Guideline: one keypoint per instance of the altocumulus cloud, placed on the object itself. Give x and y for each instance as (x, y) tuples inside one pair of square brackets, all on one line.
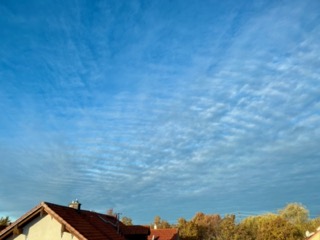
[(159, 110)]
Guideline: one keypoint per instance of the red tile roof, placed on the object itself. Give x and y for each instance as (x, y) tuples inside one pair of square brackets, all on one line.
[(164, 234), (81, 223), (135, 230)]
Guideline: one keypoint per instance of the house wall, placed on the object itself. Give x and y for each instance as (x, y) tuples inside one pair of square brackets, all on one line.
[(45, 228), (316, 236)]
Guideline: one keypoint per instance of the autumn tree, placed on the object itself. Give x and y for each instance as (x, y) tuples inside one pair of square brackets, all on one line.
[(127, 221), (160, 223), (290, 223), (312, 225), (275, 227), (226, 228), (187, 229), (207, 225), (295, 213), (247, 229)]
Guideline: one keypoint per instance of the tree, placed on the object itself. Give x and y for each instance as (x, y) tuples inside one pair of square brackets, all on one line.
[(207, 225), (295, 213), (247, 229), (127, 221), (160, 223), (4, 222), (187, 230), (227, 228), (312, 225), (274, 227)]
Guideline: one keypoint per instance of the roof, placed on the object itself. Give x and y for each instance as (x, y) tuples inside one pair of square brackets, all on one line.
[(164, 234), (314, 235), (81, 223), (135, 230)]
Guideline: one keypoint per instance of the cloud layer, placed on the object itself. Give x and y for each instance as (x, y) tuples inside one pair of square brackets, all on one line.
[(160, 109)]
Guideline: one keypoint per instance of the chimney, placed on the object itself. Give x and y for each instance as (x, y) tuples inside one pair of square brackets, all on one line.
[(75, 204)]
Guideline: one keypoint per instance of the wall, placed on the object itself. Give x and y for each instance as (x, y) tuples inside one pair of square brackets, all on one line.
[(316, 236), (45, 228)]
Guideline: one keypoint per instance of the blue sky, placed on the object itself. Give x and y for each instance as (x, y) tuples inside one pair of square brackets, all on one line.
[(160, 107)]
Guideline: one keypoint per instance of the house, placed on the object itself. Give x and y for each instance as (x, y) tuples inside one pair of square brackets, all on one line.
[(49, 221), (164, 234), (313, 235)]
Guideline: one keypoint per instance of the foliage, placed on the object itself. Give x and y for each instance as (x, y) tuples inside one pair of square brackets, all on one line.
[(127, 221), (4, 221), (207, 225), (247, 229), (295, 213), (227, 228), (275, 227), (290, 223), (187, 230), (160, 223), (312, 225)]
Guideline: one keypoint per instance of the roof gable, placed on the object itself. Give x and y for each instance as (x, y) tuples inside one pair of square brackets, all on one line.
[(24, 219), (85, 224), (81, 223)]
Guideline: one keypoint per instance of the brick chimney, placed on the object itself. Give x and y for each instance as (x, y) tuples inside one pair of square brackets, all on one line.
[(75, 204)]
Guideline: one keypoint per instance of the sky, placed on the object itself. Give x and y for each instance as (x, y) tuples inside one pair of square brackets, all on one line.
[(160, 107)]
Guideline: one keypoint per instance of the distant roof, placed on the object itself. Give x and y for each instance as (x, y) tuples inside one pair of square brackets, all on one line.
[(163, 234), (81, 223)]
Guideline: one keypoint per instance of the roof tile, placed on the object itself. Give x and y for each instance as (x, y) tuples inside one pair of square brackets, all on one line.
[(163, 234)]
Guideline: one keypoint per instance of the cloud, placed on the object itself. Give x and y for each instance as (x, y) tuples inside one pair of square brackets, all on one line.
[(141, 111)]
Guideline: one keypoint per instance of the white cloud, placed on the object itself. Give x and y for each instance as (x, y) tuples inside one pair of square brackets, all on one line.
[(183, 125)]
